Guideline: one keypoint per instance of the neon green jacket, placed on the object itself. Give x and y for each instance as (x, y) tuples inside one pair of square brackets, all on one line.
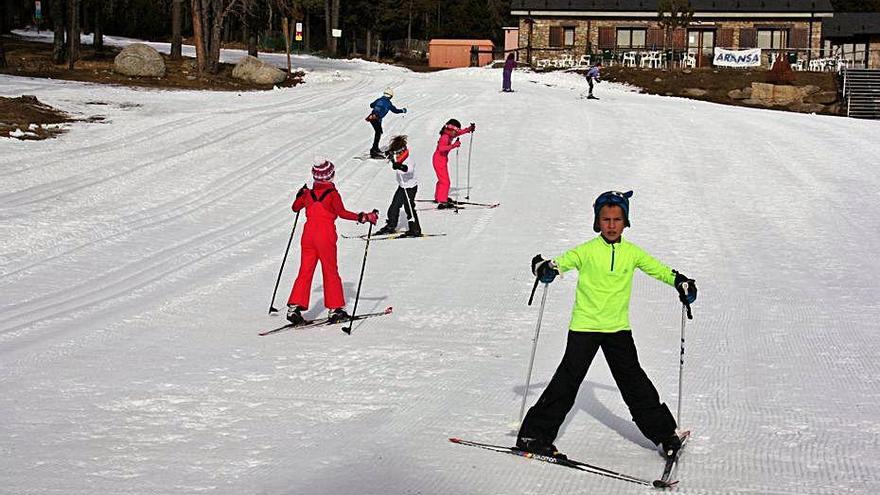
[(605, 273)]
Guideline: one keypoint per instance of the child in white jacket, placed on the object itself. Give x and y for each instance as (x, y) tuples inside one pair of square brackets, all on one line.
[(405, 195)]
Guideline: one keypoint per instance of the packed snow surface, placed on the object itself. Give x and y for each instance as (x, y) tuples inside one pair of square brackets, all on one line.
[(138, 257)]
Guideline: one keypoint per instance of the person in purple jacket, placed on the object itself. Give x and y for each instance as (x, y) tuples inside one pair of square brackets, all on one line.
[(593, 75), (509, 65)]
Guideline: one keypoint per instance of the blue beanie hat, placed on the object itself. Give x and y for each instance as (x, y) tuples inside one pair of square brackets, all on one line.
[(611, 198)]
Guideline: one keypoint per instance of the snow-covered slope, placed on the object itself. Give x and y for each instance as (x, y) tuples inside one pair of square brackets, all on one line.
[(137, 259)]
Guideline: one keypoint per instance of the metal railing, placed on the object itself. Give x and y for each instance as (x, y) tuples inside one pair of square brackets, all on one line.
[(861, 90)]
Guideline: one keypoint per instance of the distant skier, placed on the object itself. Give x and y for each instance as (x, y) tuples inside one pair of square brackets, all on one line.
[(600, 319), (380, 109), (405, 195), (593, 75), (448, 141), (323, 204), (509, 65)]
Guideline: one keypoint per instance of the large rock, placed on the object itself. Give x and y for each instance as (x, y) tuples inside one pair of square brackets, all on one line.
[(823, 98), (694, 92), (139, 59), (807, 107), (810, 89), (762, 91), (256, 71), (737, 94), (784, 94)]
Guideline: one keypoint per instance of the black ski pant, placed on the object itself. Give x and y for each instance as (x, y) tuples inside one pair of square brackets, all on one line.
[(377, 134), (590, 82), (546, 416), (406, 199)]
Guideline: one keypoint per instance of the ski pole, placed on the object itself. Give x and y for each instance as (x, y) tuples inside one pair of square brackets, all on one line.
[(470, 148), (522, 409), (457, 181), (347, 329), (681, 361), (272, 308)]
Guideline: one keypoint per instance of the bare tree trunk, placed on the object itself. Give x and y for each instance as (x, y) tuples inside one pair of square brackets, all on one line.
[(199, 36), (334, 15), (98, 35), (2, 32), (176, 36), (250, 35), (369, 43), (58, 46), (215, 39), (72, 33), (328, 38), (307, 33)]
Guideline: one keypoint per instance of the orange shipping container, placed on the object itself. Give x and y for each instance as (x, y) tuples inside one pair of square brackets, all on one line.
[(457, 53)]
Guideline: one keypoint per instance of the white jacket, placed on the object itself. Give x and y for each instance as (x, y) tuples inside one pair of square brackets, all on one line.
[(407, 179)]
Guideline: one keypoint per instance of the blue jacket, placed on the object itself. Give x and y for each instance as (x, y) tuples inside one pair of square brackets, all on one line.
[(382, 105), (593, 72)]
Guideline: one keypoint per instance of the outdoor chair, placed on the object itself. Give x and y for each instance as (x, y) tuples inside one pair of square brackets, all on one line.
[(688, 60), (629, 59), (584, 61)]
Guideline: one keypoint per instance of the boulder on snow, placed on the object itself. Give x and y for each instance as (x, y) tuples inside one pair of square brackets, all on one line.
[(694, 92), (823, 98), (256, 71), (139, 59), (737, 94)]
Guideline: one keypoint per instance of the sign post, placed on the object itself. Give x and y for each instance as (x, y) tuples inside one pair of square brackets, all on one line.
[(299, 34)]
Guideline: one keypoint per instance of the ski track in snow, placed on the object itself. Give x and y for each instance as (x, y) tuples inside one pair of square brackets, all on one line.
[(137, 256)]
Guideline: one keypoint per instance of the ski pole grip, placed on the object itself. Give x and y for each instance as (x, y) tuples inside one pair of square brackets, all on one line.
[(534, 288)]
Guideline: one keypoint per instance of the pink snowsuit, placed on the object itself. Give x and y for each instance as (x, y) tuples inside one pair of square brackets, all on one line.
[(323, 204), (441, 156)]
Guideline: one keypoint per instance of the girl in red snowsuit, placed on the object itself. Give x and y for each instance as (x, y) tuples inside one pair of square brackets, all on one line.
[(445, 144), (323, 204)]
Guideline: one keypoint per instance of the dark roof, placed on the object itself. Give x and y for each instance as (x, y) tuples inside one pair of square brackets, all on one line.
[(847, 24), (698, 5)]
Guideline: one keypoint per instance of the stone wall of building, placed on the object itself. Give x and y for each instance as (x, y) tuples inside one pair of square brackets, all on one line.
[(587, 33)]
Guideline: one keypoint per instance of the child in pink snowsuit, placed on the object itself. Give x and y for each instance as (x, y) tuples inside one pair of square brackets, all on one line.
[(445, 144), (323, 204)]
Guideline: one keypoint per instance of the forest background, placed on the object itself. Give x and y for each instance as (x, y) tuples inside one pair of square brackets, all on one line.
[(370, 28)]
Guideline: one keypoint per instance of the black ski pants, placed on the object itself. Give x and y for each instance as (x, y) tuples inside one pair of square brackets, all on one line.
[(546, 416), (406, 199), (377, 134), (590, 82)]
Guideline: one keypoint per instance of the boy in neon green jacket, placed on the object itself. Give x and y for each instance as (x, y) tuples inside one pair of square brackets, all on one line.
[(600, 318)]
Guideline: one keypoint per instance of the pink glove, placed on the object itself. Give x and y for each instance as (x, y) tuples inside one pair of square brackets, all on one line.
[(371, 217)]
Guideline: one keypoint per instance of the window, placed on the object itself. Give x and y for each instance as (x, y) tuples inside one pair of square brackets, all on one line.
[(772, 39), (568, 36), (561, 36), (853, 52), (631, 37)]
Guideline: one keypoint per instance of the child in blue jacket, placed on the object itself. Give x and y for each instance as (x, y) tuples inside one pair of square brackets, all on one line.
[(381, 107)]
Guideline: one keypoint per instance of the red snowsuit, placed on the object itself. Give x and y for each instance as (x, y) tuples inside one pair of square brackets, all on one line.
[(323, 204), (441, 156)]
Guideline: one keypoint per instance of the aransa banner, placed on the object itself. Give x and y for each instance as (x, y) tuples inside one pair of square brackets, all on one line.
[(737, 58)]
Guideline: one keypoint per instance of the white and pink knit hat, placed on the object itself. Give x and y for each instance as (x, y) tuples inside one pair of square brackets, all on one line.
[(323, 170)]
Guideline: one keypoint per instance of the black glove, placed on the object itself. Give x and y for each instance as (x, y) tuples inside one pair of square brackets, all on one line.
[(302, 190), (686, 287), (399, 166), (545, 270)]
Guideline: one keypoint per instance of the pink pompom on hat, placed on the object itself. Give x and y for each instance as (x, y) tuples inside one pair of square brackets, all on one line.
[(323, 170)]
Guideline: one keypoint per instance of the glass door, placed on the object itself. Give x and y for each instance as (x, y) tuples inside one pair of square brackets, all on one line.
[(701, 44)]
